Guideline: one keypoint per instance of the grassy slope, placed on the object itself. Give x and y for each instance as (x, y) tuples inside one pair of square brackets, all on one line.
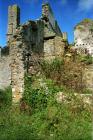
[(47, 119)]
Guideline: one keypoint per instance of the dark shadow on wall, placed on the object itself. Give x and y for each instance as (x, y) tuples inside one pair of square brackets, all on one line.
[(5, 51)]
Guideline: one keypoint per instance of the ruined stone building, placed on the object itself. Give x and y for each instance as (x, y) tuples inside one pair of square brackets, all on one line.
[(39, 39), (83, 36), (83, 39), (33, 41)]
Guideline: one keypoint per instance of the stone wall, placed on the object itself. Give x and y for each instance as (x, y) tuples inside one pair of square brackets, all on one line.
[(65, 36), (54, 47), (51, 24), (13, 20), (49, 49), (28, 38), (5, 72), (88, 77), (48, 14), (83, 36), (60, 46), (17, 70)]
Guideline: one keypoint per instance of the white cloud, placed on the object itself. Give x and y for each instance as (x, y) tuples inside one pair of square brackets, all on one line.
[(85, 5)]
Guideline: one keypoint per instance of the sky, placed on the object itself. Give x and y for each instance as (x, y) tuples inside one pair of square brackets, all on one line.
[(68, 13)]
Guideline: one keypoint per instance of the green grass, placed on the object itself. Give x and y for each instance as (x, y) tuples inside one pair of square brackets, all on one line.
[(54, 123), (47, 119)]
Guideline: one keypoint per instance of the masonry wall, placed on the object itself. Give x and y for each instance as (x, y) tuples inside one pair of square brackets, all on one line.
[(49, 49), (5, 72), (17, 70), (88, 77), (48, 14), (27, 39), (32, 33), (13, 20), (83, 37), (51, 24), (54, 47)]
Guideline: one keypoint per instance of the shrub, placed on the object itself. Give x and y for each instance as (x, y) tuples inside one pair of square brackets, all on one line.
[(64, 73), (53, 66), (38, 98), (86, 59)]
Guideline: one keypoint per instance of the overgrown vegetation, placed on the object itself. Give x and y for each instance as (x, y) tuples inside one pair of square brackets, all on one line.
[(43, 117), (87, 59), (63, 72), (41, 114)]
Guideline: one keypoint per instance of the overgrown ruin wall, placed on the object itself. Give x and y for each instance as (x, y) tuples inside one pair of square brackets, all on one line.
[(27, 44), (83, 36), (17, 70), (28, 38)]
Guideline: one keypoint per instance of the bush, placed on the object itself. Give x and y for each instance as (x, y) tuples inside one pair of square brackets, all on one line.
[(87, 59), (38, 98), (64, 73), (55, 65)]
